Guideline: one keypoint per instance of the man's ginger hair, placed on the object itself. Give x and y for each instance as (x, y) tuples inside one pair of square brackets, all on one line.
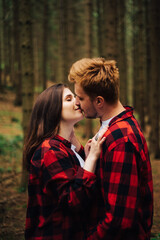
[(97, 77)]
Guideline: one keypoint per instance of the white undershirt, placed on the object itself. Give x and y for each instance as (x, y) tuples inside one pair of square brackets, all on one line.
[(81, 161), (105, 123)]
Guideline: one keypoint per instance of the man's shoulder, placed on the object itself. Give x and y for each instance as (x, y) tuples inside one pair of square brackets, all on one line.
[(125, 130)]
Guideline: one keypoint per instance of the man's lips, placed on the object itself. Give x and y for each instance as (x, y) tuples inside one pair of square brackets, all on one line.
[(78, 108)]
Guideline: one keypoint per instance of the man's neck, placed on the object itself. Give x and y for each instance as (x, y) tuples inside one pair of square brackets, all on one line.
[(111, 111)]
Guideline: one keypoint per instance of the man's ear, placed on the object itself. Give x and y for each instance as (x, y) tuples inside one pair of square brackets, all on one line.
[(99, 101)]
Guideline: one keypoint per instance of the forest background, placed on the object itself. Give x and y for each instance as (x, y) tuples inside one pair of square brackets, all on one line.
[(39, 41)]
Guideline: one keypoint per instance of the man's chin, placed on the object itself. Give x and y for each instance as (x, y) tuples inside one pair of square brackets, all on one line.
[(90, 117)]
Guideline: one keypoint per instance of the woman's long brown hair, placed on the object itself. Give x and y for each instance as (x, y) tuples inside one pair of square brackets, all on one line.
[(45, 120)]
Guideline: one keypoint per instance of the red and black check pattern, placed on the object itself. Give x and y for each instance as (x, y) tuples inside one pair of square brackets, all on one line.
[(58, 193), (124, 207)]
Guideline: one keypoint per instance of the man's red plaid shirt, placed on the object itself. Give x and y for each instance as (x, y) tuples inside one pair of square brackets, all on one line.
[(124, 206)]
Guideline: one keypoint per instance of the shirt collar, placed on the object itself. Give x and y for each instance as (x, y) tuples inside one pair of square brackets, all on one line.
[(105, 123), (63, 140), (128, 112)]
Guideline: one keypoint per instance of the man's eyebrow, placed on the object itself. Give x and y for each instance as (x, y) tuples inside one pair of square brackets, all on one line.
[(77, 95)]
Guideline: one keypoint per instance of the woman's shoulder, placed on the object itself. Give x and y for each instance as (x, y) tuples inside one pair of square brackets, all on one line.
[(43, 148), (54, 144)]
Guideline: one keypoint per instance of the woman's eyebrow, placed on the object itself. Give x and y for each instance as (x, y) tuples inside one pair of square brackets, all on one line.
[(68, 95)]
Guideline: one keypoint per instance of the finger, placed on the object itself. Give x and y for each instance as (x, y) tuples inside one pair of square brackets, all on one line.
[(96, 136), (89, 141), (102, 141), (103, 131)]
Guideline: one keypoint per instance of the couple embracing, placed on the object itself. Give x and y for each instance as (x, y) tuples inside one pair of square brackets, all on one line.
[(101, 191)]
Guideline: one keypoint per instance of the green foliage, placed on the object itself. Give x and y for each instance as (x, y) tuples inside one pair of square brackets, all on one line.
[(156, 237), (9, 146), (13, 119), (21, 189), (2, 170)]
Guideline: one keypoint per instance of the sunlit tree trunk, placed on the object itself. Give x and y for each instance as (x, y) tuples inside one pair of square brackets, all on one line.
[(88, 49), (155, 77), (26, 49)]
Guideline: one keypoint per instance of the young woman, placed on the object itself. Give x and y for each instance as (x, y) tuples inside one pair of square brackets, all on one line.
[(61, 183)]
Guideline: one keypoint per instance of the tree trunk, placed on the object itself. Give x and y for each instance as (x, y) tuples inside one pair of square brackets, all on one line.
[(5, 50), (110, 30), (122, 63), (71, 36), (26, 49), (45, 44), (148, 60), (135, 55), (88, 49), (100, 27), (17, 64), (141, 63), (0, 67), (155, 78), (63, 58)]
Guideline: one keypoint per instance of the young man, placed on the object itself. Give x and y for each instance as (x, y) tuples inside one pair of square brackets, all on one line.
[(123, 208)]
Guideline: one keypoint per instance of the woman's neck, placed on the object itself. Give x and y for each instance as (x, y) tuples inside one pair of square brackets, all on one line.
[(65, 131)]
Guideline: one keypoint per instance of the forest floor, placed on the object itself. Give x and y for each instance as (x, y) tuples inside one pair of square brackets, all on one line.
[(13, 201)]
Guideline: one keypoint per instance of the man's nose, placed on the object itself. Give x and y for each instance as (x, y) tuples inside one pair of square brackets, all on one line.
[(77, 101)]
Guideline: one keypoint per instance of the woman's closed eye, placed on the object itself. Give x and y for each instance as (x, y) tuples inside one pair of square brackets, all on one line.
[(69, 98)]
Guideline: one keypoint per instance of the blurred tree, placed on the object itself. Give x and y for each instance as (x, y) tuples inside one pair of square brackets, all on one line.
[(16, 56), (71, 32), (122, 62), (45, 43), (37, 29), (0, 49), (5, 48), (110, 29), (155, 77), (148, 60), (26, 49), (141, 60), (100, 26), (71, 36), (63, 56), (0, 65), (135, 54), (88, 49)]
